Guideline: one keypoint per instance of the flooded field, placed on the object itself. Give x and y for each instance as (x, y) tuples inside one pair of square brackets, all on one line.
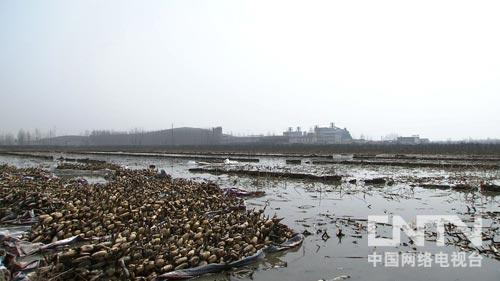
[(332, 215)]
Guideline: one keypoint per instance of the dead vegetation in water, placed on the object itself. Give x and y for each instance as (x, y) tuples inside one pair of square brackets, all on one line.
[(357, 228)]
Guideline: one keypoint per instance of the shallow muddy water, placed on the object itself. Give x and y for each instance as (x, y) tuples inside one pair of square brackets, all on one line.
[(320, 207)]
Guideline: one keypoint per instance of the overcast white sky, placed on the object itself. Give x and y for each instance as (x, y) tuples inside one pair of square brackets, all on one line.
[(376, 67)]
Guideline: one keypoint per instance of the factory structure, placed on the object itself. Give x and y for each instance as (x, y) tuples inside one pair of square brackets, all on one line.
[(415, 139), (317, 135), (320, 135)]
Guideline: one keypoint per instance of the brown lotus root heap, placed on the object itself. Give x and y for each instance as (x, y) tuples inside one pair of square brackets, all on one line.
[(147, 225)]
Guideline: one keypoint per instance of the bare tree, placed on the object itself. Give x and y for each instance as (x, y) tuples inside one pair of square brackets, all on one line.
[(21, 137), (28, 138), (9, 139), (37, 135)]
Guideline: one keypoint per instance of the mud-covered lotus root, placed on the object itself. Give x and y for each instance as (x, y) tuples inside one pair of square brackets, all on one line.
[(136, 225)]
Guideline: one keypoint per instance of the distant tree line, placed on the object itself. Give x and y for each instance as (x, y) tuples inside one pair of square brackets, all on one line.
[(26, 137), (134, 137), (38, 137), (139, 137)]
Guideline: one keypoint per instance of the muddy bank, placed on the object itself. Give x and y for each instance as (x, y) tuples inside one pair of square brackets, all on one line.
[(268, 174), (207, 158), (26, 155), (472, 158), (413, 164), (87, 165)]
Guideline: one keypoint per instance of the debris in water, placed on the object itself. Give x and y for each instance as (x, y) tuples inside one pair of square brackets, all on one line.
[(338, 278), (489, 187), (375, 181), (306, 232), (325, 236)]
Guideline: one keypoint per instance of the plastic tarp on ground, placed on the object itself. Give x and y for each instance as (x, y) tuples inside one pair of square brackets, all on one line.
[(26, 251)]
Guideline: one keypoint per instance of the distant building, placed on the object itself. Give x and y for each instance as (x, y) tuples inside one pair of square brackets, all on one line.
[(332, 134), (415, 139), (320, 135), (293, 134)]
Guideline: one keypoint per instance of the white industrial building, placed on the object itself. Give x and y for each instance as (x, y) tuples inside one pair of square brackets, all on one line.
[(320, 135)]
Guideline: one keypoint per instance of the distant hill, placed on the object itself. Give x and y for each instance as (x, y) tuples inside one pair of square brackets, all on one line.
[(176, 136), (65, 140)]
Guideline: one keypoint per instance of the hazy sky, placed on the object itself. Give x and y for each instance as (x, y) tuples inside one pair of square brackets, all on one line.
[(376, 67)]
